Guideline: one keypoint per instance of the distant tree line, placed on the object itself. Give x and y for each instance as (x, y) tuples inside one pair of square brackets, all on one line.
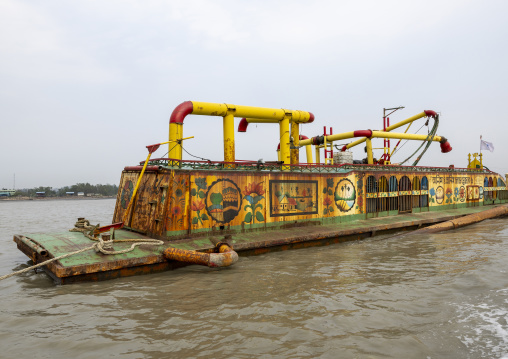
[(86, 188)]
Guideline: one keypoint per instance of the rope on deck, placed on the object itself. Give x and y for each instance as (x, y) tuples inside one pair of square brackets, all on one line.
[(101, 246), (47, 262)]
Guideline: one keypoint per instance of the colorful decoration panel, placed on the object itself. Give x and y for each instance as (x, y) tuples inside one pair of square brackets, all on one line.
[(223, 200), (345, 195), (293, 197), (180, 203)]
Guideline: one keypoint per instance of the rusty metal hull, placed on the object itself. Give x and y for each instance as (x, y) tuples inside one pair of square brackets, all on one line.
[(92, 266)]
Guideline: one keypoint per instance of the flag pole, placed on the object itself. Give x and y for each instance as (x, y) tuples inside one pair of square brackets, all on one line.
[(481, 156)]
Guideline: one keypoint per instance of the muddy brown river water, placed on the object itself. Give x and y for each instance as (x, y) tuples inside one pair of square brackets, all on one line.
[(443, 295)]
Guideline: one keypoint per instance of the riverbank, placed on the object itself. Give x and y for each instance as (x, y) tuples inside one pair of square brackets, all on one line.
[(26, 198)]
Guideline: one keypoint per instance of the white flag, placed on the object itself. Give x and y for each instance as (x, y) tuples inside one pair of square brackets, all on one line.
[(486, 146)]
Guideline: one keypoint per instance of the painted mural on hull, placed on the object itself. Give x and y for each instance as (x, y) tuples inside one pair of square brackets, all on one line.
[(180, 203)]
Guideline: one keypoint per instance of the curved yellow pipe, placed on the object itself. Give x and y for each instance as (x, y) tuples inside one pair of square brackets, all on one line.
[(228, 111), (226, 256)]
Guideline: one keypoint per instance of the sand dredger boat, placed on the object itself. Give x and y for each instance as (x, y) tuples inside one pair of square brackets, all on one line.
[(172, 212)]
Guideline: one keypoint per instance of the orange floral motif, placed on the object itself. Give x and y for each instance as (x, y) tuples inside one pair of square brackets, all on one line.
[(197, 205), (256, 188), (253, 194), (327, 203), (176, 210)]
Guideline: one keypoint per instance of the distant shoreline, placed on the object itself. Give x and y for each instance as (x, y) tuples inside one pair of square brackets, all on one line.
[(70, 198)]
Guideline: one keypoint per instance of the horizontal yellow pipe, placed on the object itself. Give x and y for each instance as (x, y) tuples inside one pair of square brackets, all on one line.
[(220, 109), (403, 136), (261, 120), (379, 134), (330, 138)]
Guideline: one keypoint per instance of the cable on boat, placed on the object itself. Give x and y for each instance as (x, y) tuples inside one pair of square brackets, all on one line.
[(427, 141)]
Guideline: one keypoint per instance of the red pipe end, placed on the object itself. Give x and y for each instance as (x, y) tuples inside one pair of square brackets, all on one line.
[(242, 126), (430, 113), (344, 148), (278, 147), (180, 111), (445, 147), (303, 137), (311, 117), (363, 133)]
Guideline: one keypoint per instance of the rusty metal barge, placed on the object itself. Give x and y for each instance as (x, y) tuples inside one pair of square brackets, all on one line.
[(172, 212)]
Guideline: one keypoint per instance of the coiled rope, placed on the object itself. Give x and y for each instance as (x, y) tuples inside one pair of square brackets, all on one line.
[(102, 246)]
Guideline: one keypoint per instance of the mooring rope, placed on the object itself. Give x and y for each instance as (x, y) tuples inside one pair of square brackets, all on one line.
[(47, 262), (102, 246)]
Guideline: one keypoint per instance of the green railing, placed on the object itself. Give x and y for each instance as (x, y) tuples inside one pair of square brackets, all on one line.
[(304, 167)]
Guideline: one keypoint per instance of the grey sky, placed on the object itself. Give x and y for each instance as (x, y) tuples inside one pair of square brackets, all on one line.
[(86, 85)]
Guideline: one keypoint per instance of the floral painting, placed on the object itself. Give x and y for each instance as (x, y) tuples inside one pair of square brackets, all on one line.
[(253, 194), (197, 202)]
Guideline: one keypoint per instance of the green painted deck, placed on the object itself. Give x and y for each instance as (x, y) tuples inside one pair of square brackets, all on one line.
[(144, 259)]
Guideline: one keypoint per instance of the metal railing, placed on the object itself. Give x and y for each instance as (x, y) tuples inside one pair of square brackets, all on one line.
[(302, 167)]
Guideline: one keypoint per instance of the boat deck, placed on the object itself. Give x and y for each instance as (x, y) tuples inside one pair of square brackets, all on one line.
[(92, 266)]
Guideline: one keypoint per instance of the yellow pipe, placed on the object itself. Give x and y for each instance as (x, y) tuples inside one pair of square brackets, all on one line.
[(407, 120), (284, 143), (261, 120), (226, 256), (354, 143), (379, 134), (217, 109), (175, 136), (295, 151), (318, 157), (229, 137), (229, 111), (308, 150), (331, 138), (370, 157), (403, 136)]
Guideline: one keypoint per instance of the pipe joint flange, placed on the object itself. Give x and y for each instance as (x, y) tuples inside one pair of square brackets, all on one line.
[(318, 140)]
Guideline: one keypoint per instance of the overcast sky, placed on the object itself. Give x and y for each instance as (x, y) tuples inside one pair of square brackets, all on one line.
[(86, 85)]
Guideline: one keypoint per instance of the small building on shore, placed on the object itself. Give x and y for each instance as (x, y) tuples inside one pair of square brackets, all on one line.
[(7, 192), (40, 194)]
